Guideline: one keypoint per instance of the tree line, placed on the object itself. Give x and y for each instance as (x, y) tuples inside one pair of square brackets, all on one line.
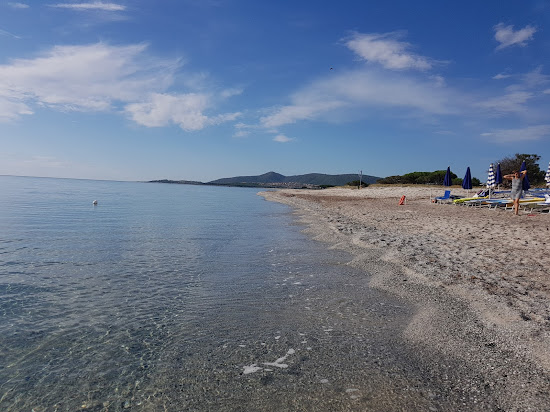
[(508, 165), (425, 178)]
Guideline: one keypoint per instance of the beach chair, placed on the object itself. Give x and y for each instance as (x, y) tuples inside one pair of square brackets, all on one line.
[(542, 207), (445, 198)]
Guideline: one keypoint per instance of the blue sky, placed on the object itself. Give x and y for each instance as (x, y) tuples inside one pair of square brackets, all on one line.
[(203, 89)]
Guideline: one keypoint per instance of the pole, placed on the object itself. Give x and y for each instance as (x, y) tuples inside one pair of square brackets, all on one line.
[(360, 178)]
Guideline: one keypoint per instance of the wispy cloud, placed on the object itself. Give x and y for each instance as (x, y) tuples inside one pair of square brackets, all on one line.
[(8, 34), (11, 109), (517, 97), (387, 50), (517, 135), (18, 5), (231, 92), (371, 86), (501, 76), (507, 36), (510, 102), (363, 89), (100, 77), (91, 6), (281, 138), (242, 129), (535, 78), (304, 110), (241, 133), (90, 77), (45, 162)]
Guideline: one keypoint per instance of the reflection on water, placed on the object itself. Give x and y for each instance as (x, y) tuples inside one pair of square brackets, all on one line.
[(173, 297)]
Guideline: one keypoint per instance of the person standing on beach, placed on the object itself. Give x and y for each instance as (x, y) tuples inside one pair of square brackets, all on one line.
[(517, 189)]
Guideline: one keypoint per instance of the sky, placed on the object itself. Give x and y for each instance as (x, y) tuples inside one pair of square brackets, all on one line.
[(205, 89)]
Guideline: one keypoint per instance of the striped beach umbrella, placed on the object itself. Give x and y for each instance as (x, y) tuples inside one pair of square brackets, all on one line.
[(491, 182), (547, 177)]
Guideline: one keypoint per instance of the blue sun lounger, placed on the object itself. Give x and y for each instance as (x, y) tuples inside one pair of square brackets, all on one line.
[(443, 199)]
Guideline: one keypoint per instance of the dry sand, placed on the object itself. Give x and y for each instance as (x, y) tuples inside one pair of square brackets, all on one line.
[(479, 278)]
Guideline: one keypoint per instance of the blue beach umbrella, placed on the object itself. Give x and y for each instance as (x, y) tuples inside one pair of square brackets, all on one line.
[(525, 184), (547, 177), (467, 181), (447, 181), (498, 178)]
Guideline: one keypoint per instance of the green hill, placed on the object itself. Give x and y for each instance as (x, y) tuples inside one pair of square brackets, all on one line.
[(310, 179)]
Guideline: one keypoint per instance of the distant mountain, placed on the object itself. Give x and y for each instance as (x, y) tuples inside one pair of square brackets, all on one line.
[(316, 179), (181, 182)]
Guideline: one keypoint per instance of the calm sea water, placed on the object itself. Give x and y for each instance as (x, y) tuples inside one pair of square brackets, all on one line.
[(176, 297)]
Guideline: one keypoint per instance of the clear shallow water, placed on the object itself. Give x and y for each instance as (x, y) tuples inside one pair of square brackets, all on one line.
[(176, 297)]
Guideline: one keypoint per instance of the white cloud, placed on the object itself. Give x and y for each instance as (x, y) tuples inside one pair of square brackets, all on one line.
[(362, 89), (225, 117), (506, 35), (91, 6), (307, 110), (163, 109), (388, 51), (11, 110), (510, 102), (547, 91), (101, 77), (501, 76), (18, 5), (85, 78), (518, 135), (282, 139), (185, 110)]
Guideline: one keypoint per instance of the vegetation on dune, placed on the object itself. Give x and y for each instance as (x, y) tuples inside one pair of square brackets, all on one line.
[(425, 178), (356, 183), (511, 164), (508, 165)]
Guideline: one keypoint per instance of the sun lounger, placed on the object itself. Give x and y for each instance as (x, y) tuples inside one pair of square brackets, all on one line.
[(541, 207), (466, 200), (445, 198)]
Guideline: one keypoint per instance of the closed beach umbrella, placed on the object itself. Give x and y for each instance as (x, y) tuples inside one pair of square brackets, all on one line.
[(525, 184), (447, 181), (547, 177), (467, 182), (490, 179), (498, 178)]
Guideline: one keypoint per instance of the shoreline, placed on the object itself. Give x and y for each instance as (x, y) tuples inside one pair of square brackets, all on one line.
[(477, 277)]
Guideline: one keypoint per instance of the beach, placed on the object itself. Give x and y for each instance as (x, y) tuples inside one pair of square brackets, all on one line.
[(477, 278)]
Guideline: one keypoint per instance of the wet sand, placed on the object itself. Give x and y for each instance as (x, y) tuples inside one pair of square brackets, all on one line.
[(478, 281)]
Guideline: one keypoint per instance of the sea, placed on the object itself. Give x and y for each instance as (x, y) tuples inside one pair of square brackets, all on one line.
[(169, 297)]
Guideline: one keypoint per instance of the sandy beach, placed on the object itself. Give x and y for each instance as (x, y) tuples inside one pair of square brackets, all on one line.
[(478, 278)]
